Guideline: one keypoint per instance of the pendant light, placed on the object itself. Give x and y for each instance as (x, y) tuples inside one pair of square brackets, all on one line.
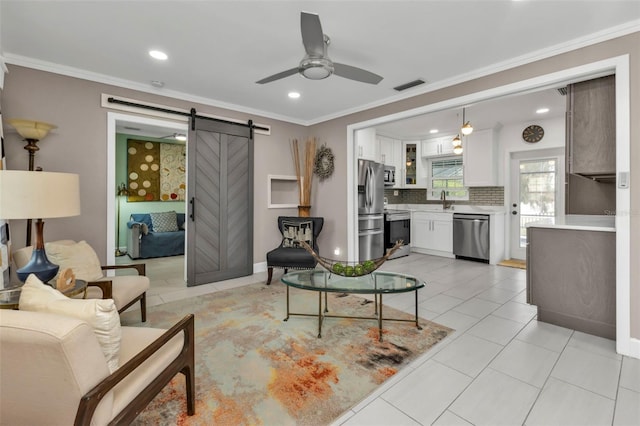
[(467, 128), (457, 142)]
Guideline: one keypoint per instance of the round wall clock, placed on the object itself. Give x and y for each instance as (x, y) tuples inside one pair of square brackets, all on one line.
[(533, 133)]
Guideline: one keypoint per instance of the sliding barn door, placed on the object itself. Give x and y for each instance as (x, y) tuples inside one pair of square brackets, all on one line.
[(220, 190)]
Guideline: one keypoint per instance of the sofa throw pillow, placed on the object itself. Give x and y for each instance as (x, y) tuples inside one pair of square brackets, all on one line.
[(293, 232), (100, 314), (164, 221), (80, 257)]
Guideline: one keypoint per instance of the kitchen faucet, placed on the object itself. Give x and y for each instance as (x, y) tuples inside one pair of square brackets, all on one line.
[(443, 198)]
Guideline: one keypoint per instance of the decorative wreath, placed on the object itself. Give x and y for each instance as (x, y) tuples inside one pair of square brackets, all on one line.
[(323, 164)]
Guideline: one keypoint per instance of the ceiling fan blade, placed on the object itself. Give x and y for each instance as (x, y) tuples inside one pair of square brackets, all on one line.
[(278, 76), (355, 73), (312, 35)]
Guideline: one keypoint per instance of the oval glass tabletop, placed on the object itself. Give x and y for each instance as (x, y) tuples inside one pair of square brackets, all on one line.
[(374, 283)]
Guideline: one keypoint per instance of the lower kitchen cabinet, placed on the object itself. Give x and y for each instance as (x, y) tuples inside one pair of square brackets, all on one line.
[(571, 278), (432, 233)]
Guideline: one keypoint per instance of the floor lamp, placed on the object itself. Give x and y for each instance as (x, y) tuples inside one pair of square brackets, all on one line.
[(122, 191), (32, 132), (38, 195)]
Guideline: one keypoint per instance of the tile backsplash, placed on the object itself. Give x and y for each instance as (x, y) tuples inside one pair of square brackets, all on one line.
[(478, 196)]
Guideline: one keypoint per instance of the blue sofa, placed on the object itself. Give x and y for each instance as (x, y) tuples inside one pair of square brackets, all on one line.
[(143, 242)]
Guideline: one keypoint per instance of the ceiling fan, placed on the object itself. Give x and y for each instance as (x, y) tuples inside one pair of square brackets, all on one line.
[(316, 65)]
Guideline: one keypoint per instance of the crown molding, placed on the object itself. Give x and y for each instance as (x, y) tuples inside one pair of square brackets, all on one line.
[(37, 64), (590, 39)]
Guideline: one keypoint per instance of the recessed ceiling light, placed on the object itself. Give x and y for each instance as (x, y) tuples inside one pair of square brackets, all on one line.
[(294, 95), (156, 54), (157, 83), (542, 110), (433, 131)]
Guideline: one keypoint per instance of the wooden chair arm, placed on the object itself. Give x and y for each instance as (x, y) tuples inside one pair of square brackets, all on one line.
[(106, 286), (89, 402), (140, 267)]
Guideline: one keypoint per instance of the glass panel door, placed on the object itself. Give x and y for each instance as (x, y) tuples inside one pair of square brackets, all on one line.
[(537, 199)]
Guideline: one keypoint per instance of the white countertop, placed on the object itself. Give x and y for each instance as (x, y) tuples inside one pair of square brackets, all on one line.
[(456, 208), (578, 222)]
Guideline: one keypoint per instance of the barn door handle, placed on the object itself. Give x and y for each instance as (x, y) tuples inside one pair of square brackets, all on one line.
[(193, 209)]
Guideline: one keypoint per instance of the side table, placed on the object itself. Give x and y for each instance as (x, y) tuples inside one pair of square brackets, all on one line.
[(10, 297)]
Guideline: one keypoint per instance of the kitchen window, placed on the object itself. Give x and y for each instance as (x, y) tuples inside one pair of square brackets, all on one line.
[(446, 174)]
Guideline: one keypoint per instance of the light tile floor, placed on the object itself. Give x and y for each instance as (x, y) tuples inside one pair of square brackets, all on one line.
[(500, 367)]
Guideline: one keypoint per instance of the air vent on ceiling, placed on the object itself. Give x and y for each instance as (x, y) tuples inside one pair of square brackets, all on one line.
[(563, 91), (409, 85)]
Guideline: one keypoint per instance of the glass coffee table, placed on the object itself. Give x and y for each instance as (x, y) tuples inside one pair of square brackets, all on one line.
[(376, 283)]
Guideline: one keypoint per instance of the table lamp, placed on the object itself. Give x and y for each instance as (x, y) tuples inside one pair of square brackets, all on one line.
[(38, 195)]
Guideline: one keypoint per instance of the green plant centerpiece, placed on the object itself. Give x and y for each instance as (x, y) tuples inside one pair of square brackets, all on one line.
[(351, 269)]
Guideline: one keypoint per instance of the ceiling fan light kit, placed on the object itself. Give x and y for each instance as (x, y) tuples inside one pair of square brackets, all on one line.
[(316, 68), (316, 64)]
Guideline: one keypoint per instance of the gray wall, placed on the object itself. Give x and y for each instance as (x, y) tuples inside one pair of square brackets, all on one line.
[(79, 145)]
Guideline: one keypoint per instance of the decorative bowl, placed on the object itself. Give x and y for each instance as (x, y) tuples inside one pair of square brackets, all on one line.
[(351, 268)]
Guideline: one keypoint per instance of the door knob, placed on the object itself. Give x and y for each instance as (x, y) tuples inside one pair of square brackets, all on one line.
[(514, 205), (514, 212)]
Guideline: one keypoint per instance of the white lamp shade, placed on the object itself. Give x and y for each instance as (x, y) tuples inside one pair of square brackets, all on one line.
[(38, 195)]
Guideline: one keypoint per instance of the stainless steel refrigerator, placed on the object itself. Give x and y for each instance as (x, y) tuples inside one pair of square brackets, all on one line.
[(370, 209)]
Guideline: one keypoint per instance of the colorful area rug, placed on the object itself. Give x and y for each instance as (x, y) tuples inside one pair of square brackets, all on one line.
[(254, 368)]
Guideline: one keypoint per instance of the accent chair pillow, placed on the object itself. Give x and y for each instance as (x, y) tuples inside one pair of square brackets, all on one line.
[(80, 257), (294, 232), (164, 221), (100, 314)]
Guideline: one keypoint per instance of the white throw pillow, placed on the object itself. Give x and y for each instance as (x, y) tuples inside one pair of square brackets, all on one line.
[(80, 257), (100, 314)]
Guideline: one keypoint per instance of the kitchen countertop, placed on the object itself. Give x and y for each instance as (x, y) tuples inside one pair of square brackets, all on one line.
[(578, 222), (456, 208)]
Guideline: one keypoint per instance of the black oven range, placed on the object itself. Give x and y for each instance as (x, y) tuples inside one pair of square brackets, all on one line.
[(397, 226)]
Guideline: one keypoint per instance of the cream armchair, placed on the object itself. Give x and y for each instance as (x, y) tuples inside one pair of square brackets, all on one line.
[(53, 370), (125, 290)]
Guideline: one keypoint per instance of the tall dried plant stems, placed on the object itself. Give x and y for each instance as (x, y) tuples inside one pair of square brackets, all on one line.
[(304, 181), (310, 154)]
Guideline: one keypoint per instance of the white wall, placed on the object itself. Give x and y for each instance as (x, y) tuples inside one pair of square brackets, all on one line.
[(510, 141)]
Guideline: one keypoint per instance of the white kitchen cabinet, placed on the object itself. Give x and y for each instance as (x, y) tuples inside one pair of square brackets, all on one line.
[(437, 147), (367, 145), (480, 159), (432, 233), (387, 151)]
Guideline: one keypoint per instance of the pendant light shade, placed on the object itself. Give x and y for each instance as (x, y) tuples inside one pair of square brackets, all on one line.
[(456, 141), (457, 149), (467, 128)]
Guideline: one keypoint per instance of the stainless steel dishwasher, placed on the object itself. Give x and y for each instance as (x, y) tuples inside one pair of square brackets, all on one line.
[(471, 236)]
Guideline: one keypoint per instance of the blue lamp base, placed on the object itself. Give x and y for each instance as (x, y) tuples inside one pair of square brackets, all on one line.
[(40, 266)]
